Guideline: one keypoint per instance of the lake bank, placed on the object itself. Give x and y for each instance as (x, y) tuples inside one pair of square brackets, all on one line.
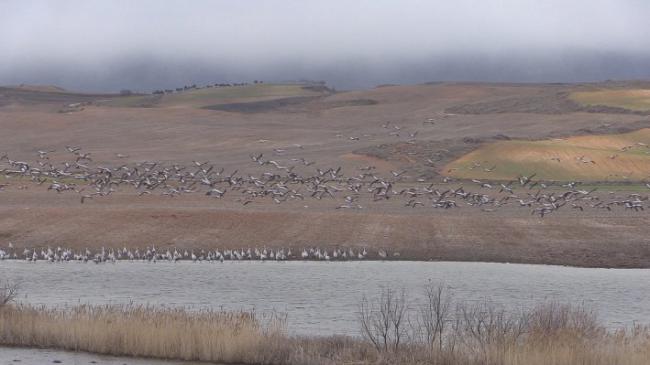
[(468, 334)]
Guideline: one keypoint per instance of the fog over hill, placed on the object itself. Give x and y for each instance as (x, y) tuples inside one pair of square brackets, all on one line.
[(109, 45)]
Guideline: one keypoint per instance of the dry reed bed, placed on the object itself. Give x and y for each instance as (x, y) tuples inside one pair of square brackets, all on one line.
[(144, 331), (472, 335)]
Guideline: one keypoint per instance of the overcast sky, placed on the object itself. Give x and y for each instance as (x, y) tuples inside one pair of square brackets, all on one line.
[(146, 44)]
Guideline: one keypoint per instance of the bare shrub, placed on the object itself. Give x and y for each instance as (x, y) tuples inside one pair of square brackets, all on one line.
[(434, 315), (551, 320), (488, 329), (8, 293), (384, 322)]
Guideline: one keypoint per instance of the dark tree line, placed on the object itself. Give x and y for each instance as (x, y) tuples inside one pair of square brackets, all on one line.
[(208, 86)]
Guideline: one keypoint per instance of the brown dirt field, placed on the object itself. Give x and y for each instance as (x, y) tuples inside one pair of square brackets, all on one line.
[(38, 219), (322, 128)]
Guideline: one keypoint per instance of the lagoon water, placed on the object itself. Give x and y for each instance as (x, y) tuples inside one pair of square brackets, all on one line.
[(18, 356), (321, 298)]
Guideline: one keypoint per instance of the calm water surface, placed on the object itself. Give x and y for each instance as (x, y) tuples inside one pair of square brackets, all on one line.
[(321, 298), (18, 356)]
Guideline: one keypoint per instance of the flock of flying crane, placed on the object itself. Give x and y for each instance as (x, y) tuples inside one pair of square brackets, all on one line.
[(280, 182), (287, 179)]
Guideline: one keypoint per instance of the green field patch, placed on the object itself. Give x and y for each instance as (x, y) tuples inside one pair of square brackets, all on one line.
[(631, 99), (605, 158)]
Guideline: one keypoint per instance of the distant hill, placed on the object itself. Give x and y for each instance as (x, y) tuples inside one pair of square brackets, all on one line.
[(39, 88), (211, 97)]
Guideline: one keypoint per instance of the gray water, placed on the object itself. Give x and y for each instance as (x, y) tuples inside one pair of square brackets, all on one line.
[(18, 356), (321, 298)]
